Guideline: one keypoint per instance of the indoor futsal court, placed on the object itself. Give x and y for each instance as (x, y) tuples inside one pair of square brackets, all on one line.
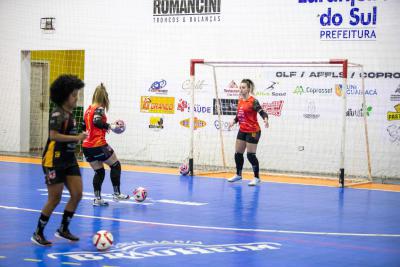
[(193, 133), (197, 220)]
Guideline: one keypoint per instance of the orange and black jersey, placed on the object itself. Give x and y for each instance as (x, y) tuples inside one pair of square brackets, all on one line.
[(247, 115), (60, 154), (95, 123)]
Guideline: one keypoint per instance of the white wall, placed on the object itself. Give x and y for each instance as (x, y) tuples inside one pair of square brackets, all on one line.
[(128, 51)]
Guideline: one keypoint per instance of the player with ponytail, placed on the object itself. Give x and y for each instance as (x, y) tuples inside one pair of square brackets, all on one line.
[(249, 131)]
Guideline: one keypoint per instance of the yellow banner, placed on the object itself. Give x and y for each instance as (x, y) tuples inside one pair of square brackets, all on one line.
[(157, 104), (391, 116)]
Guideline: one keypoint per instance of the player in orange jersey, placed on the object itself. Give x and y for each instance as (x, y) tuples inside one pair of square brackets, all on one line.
[(59, 162), (96, 149), (249, 131)]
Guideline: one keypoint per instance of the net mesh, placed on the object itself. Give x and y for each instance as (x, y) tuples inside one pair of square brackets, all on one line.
[(305, 108)]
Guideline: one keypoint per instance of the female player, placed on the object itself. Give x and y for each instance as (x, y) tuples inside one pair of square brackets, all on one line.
[(249, 131), (96, 149), (59, 162)]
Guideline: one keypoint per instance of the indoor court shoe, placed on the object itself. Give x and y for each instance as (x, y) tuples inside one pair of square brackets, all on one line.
[(235, 179), (99, 202), (254, 182), (120, 197), (66, 235), (40, 240)]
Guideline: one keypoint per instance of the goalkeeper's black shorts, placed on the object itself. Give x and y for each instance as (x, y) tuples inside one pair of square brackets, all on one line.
[(251, 138)]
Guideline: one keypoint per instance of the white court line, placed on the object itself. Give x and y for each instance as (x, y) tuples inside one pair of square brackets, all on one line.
[(211, 227), (109, 197)]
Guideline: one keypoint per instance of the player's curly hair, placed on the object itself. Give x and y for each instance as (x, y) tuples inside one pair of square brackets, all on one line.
[(63, 86), (249, 84)]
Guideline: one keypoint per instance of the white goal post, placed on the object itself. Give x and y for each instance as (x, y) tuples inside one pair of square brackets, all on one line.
[(341, 119)]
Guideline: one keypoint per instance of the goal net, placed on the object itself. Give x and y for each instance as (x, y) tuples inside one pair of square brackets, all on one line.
[(316, 128)]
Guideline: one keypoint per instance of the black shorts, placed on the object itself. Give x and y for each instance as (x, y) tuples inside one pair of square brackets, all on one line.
[(59, 175), (100, 153), (251, 138)]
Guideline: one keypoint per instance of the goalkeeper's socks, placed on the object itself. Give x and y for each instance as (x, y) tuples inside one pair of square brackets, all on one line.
[(239, 160), (254, 163)]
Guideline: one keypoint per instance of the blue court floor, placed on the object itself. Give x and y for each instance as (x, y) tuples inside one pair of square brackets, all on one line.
[(203, 222)]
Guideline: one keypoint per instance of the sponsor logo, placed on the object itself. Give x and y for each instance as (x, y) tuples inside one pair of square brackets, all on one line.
[(379, 75), (198, 86), (307, 74), (396, 96), (197, 123), (394, 115), (299, 90), (280, 94), (183, 104), (157, 87), (156, 123), (363, 111), (330, 74), (311, 108), (353, 90), (227, 106), (346, 34), (274, 108), (224, 125), (271, 86), (157, 104), (186, 11), (338, 90), (394, 133), (232, 89), (269, 90), (143, 249), (346, 24)]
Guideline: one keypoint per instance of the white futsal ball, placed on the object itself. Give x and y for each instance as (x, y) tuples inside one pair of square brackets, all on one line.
[(140, 194), (103, 239)]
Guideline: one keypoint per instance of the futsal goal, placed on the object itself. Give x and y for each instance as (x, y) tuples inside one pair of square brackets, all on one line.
[(316, 128)]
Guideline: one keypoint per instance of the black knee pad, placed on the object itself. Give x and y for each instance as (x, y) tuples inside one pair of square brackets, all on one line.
[(239, 157), (98, 178), (116, 166), (115, 173), (100, 172), (252, 158)]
